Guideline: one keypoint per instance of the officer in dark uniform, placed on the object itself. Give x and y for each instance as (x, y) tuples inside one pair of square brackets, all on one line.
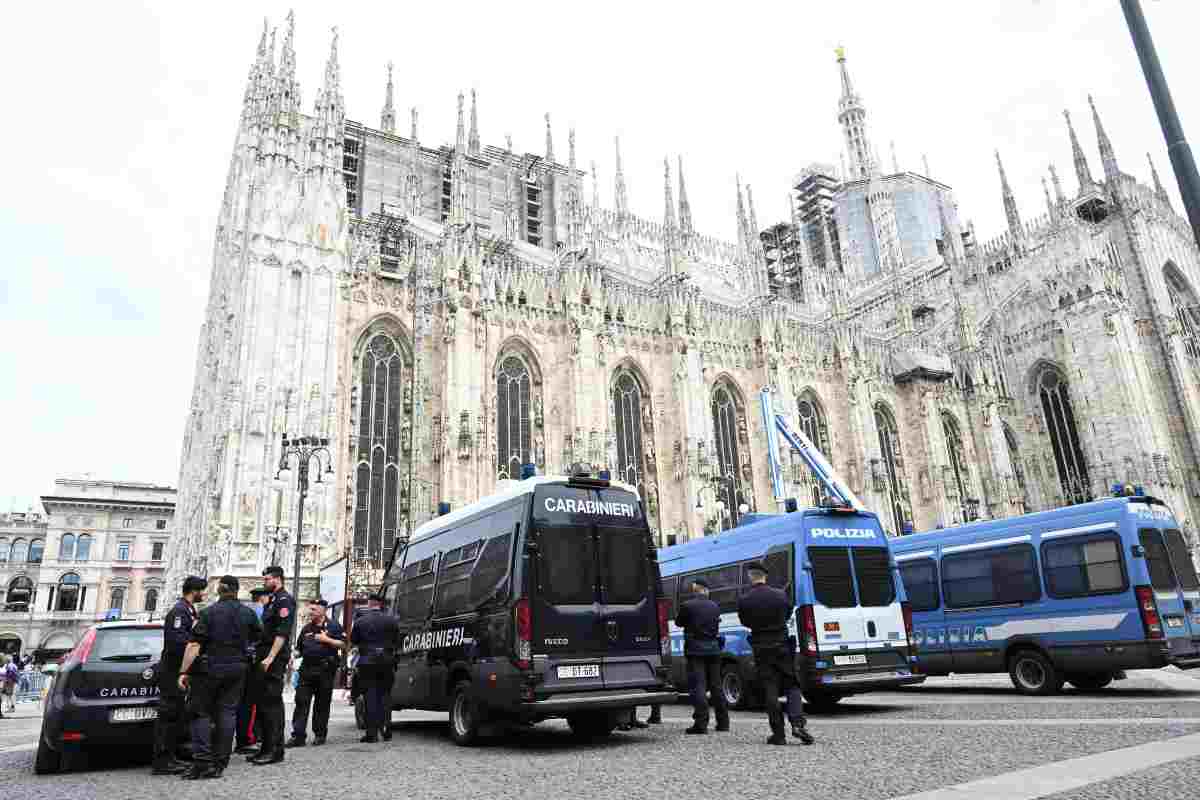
[(273, 652), (377, 635), (248, 726), (214, 669), (321, 642), (700, 619), (177, 631), (765, 610)]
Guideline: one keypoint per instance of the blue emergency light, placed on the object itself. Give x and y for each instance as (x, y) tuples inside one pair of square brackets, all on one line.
[(605, 475), (528, 471), (443, 509), (790, 505)]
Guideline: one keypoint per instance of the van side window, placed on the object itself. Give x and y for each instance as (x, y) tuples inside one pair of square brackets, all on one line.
[(1083, 565), (920, 576), (490, 570), (1000, 576), (1185, 570), (454, 571), (722, 586), (779, 572), (417, 592), (1162, 577), (831, 576)]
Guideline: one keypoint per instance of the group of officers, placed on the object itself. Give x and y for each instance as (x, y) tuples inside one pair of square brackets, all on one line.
[(222, 674), (222, 669)]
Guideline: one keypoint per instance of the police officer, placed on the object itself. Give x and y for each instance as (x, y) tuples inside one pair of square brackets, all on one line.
[(214, 670), (279, 619), (321, 642), (377, 634), (248, 725), (700, 619), (765, 610), (177, 631)]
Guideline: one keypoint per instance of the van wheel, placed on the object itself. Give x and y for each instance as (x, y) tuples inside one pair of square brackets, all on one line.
[(822, 702), (1091, 681), (360, 713), (734, 688), (465, 717), (47, 761), (1033, 674), (592, 725)]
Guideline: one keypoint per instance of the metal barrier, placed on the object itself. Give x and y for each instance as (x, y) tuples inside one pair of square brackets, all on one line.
[(32, 686)]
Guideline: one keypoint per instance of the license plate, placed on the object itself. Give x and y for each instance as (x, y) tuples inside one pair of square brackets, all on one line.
[(1174, 622), (140, 714), (853, 659), (579, 671)]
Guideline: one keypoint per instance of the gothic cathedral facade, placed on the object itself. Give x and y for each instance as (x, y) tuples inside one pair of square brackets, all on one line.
[(445, 314)]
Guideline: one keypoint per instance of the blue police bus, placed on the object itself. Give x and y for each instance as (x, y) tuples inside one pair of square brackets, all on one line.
[(852, 624), (1076, 594)]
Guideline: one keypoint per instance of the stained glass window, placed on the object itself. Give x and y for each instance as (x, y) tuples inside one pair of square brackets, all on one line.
[(889, 449), (513, 438), (627, 409), (1064, 437), (381, 408), (958, 465), (726, 413), (812, 423)]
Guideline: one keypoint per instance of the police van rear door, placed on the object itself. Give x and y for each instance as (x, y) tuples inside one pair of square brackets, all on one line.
[(840, 621), (628, 592)]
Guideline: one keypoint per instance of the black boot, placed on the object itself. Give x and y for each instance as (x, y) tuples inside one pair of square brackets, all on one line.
[(170, 768), (319, 740), (294, 742), (268, 758), (800, 731), (697, 728)]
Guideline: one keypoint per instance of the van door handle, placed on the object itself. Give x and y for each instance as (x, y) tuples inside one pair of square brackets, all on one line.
[(871, 628)]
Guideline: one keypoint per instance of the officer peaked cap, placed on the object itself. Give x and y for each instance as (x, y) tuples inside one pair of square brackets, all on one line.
[(756, 566), (193, 583), (276, 572)]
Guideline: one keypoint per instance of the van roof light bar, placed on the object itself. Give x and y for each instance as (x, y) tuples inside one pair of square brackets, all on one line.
[(777, 425)]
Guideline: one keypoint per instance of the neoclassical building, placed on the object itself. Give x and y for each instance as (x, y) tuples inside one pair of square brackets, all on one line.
[(444, 313)]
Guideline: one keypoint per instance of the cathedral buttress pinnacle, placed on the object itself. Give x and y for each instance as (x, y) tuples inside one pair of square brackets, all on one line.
[(1010, 203), (1082, 171), (852, 114), (387, 119), (686, 229), (473, 138), (1107, 156), (621, 198), (1158, 187)]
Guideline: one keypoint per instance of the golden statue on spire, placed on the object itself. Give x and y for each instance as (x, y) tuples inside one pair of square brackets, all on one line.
[(841, 53)]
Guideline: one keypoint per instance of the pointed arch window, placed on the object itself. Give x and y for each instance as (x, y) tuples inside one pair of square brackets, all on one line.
[(68, 593), (1014, 458), (958, 478), (728, 423), (812, 423), (1064, 436), (383, 380), (20, 594), (889, 450), (627, 398), (1186, 310), (514, 440)]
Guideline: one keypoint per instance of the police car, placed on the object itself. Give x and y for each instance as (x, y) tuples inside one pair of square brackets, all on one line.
[(105, 693), (541, 601)]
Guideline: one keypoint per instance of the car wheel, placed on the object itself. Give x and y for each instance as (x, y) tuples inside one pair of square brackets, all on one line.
[(360, 712), (1033, 674), (734, 688), (47, 761), (822, 702), (1091, 681), (465, 716), (592, 725)]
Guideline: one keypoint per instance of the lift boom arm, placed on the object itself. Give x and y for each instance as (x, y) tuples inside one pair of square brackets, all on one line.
[(776, 425)]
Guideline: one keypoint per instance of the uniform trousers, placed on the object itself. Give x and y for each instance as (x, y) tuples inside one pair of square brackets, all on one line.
[(172, 716), (376, 682), (776, 667), (704, 679), (269, 699), (247, 721), (316, 689), (212, 702)]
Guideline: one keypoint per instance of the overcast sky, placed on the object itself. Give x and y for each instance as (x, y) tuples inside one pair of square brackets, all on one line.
[(120, 119)]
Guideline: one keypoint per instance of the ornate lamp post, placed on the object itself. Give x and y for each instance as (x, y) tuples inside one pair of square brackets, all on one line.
[(306, 449)]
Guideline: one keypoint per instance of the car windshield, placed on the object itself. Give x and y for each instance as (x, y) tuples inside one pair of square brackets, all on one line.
[(128, 644)]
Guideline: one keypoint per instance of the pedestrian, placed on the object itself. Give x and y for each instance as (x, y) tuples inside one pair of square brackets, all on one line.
[(320, 643), (214, 670), (377, 634), (700, 619), (11, 677), (248, 723), (274, 650), (177, 632), (765, 610)]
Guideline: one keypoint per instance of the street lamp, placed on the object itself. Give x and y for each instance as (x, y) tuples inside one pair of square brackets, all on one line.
[(305, 449)]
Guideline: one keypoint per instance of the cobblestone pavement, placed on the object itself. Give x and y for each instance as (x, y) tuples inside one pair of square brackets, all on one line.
[(953, 738)]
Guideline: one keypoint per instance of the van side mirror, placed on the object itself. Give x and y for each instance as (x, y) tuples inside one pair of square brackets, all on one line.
[(1138, 551)]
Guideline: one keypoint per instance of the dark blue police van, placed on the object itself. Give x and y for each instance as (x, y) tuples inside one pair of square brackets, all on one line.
[(541, 601)]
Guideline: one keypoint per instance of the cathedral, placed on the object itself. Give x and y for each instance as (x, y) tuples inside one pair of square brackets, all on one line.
[(443, 314)]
